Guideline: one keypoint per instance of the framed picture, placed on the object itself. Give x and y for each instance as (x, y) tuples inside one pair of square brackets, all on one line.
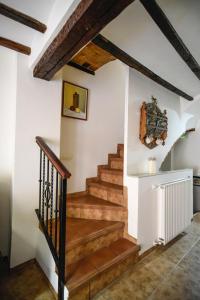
[(74, 101)]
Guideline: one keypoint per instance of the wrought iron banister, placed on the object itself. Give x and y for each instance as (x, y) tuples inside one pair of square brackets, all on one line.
[(52, 158), (51, 213)]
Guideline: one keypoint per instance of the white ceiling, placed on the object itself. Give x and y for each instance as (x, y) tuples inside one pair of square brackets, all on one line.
[(137, 34), (38, 9)]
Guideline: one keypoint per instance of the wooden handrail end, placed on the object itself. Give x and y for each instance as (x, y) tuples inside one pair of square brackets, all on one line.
[(62, 170)]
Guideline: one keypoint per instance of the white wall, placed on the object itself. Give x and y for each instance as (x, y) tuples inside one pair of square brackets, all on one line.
[(8, 60), (86, 144), (186, 152), (38, 109), (141, 89), (142, 211), (45, 259)]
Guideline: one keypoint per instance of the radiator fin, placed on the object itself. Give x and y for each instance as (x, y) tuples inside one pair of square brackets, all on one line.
[(175, 206)]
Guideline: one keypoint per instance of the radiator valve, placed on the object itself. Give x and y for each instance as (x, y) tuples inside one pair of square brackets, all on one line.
[(159, 242)]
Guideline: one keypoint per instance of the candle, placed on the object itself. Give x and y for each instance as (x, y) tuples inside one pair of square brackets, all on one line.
[(152, 165)]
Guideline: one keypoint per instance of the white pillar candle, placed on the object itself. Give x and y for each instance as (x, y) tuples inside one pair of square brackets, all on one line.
[(152, 165)]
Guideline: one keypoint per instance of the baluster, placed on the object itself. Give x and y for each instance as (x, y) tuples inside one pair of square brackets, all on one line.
[(47, 195), (51, 203), (56, 212), (43, 186), (40, 182), (62, 237), (54, 198)]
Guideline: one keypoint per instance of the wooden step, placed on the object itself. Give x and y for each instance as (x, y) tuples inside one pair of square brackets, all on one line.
[(84, 236), (90, 207), (111, 175), (116, 163), (93, 273), (87, 236), (106, 191), (120, 150)]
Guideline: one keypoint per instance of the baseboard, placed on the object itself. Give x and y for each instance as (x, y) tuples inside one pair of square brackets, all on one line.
[(130, 238), (46, 279), (23, 265), (147, 252)]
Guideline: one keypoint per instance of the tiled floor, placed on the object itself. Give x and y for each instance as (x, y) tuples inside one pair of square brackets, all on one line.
[(171, 273), (27, 283)]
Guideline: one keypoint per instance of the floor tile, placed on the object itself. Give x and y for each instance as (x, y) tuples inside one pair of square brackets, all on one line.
[(171, 272), (28, 283), (181, 285)]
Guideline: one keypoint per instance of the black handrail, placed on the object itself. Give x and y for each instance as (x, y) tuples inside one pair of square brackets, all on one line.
[(52, 207), (58, 165)]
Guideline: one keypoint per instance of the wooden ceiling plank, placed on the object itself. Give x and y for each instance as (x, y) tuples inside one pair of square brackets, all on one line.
[(170, 33), (133, 63), (93, 57), (22, 18), (85, 23), (15, 46)]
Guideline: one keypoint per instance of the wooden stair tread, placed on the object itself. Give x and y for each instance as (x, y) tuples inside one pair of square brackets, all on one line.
[(88, 201), (107, 186), (111, 171), (104, 258), (84, 230)]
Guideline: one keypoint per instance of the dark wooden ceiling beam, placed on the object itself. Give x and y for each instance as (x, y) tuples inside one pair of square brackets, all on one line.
[(170, 33), (82, 68), (15, 46), (22, 18), (85, 23), (133, 63)]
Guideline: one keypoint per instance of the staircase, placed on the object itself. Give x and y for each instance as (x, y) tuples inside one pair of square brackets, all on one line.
[(97, 251), (86, 231)]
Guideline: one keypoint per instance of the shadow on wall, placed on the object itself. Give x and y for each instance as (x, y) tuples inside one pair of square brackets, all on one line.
[(169, 160), (186, 152), (5, 214)]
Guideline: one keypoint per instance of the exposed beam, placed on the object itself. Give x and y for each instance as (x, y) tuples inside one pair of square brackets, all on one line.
[(170, 33), (15, 46), (190, 130), (133, 63), (89, 17), (82, 68), (20, 17)]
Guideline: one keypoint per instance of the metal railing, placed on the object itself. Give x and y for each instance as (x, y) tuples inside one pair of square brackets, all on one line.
[(52, 207)]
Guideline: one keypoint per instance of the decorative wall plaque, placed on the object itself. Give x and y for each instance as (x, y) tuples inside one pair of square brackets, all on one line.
[(153, 124)]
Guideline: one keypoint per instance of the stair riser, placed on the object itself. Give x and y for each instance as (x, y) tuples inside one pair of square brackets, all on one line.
[(106, 195), (90, 247), (116, 164), (102, 280), (112, 178), (97, 214), (121, 153)]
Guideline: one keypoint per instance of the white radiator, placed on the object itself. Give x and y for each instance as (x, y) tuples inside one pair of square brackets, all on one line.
[(175, 208)]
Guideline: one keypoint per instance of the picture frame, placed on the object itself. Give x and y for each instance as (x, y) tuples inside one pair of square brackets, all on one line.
[(74, 101)]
